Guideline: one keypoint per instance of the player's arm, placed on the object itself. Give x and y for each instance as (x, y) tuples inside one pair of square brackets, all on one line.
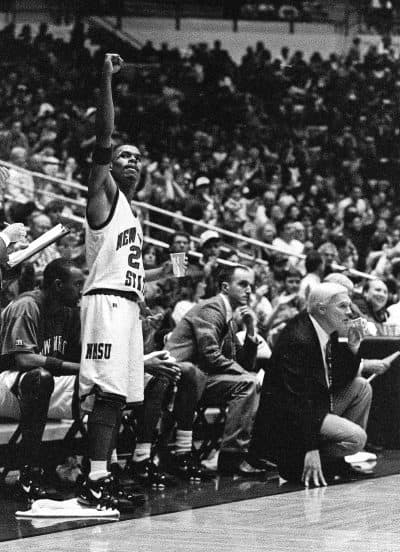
[(27, 361), (101, 186), (20, 339)]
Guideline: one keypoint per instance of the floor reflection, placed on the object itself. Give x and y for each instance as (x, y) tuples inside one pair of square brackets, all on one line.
[(187, 496)]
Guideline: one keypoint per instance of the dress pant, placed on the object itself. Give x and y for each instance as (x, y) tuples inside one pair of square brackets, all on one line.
[(237, 391), (342, 431)]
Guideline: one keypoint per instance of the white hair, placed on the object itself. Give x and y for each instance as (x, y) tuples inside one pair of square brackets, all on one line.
[(323, 294), (341, 279)]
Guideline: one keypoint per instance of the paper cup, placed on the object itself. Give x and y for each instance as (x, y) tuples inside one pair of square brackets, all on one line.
[(359, 324), (178, 264)]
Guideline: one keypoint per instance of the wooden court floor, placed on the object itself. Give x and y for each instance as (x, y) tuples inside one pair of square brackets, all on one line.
[(355, 517)]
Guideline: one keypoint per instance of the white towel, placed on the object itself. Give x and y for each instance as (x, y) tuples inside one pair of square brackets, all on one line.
[(361, 456), (65, 509)]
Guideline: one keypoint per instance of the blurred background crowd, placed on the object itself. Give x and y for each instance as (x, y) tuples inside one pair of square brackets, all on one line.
[(300, 154)]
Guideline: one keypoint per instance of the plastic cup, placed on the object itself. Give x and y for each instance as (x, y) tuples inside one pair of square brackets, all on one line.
[(178, 264), (358, 324)]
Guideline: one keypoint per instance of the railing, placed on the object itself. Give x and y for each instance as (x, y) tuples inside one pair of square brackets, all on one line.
[(80, 204), (104, 24)]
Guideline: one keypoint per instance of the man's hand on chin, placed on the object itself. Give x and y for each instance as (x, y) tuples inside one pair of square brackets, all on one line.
[(312, 471), (354, 338)]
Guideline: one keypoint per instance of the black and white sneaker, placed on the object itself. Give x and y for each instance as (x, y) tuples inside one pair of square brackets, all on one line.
[(29, 485), (149, 474), (125, 492), (187, 466), (97, 494)]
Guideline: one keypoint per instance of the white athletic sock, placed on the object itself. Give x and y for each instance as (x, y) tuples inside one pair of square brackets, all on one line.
[(98, 469), (183, 442), (142, 452), (114, 457)]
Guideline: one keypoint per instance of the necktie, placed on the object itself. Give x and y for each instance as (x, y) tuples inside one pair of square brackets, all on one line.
[(329, 364), (232, 337)]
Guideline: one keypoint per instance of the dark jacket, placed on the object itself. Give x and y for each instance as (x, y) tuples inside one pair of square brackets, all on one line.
[(295, 395), (199, 338)]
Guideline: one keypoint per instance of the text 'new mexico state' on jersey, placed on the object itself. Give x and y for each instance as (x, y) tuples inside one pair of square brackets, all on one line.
[(28, 327), (114, 251)]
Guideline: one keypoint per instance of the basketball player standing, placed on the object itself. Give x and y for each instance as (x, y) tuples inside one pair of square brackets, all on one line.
[(111, 371)]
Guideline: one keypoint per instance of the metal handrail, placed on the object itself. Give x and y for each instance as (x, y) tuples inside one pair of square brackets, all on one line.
[(71, 183), (224, 249), (221, 231), (252, 241)]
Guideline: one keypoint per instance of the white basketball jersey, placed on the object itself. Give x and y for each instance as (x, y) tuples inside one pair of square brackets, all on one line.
[(114, 251)]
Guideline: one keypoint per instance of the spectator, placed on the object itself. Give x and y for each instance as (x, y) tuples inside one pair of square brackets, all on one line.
[(286, 241), (314, 264), (54, 211), (192, 293), (329, 254), (40, 224), (373, 303), (21, 186), (210, 247)]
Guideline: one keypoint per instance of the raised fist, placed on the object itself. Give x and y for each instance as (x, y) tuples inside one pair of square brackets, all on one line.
[(112, 63)]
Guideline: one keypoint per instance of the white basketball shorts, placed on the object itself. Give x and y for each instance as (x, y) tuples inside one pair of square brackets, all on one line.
[(112, 348)]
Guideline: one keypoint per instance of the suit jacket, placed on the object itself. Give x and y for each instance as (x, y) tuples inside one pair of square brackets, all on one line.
[(295, 396), (199, 338)]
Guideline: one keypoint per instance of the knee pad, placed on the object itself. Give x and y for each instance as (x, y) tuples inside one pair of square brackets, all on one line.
[(107, 409), (36, 384)]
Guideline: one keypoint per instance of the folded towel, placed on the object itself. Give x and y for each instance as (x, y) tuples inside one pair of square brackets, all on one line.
[(362, 456), (65, 509)]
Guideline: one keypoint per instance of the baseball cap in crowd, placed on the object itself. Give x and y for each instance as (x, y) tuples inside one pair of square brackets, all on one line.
[(207, 236), (89, 112), (45, 109), (202, 181)]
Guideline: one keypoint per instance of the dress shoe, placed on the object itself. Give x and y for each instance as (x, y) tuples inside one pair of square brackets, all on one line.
[(238, 464), (260, 463), (341, 470)]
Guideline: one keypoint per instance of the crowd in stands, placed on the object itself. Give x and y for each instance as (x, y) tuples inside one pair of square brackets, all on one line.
[(302, 155), (272, 11)]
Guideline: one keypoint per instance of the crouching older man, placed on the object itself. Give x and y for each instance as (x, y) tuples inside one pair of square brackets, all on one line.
[(313, 408), (40, 352)]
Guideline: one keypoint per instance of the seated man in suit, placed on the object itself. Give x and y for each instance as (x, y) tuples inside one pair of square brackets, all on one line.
[(313, 408), (217, 369)]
